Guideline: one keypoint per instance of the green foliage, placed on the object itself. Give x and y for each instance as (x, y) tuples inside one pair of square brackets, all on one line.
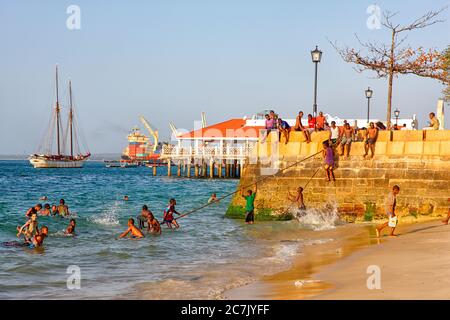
[(414, 214), (370, 211), (238, 212)]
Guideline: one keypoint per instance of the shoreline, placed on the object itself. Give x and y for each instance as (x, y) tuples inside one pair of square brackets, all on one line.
[(338, 270)]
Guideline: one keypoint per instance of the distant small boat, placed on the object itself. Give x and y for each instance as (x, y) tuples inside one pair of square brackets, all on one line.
[(112, 163), (128, 165), (60, 160)]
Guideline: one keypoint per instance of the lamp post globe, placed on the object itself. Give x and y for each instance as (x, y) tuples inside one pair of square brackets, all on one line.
[(316, 56)]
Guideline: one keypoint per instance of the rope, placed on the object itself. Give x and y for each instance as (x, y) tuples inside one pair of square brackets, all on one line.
[(256, 182)]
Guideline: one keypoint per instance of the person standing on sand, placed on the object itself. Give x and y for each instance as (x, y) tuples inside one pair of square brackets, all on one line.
[(371, 139), (391, 202), (250, 205)]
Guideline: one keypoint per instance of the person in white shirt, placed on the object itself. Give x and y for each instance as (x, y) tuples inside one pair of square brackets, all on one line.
[(334, 133)]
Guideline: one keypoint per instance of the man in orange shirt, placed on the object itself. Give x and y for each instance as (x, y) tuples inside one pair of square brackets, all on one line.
[(320, 120)]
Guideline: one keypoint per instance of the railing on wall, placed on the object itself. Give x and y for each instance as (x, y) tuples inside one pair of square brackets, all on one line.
[(213, 152)]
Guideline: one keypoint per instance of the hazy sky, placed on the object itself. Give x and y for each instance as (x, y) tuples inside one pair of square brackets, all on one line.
[(170, 60)]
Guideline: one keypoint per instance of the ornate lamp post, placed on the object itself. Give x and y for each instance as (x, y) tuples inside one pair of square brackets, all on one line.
[(396, 114), (369, 94), (316, 56)]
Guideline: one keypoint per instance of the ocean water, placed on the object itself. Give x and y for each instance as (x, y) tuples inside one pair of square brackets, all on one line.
[(206, 256)]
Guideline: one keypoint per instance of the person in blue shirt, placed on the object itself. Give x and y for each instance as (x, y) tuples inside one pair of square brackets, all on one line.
[(284, 129)]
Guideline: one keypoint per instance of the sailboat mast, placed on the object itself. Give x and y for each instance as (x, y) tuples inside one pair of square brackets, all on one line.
[(57, 113), (71, 119)]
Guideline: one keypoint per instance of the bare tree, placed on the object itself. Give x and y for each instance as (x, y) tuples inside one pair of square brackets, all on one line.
[(446, 56), (393, 59)]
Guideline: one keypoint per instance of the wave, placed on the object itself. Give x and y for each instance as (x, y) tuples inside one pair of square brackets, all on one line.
[(109, 217), (318, 219)]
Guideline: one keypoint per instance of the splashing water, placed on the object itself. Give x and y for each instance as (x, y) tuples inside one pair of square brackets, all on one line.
[(110, 217), (318, 219)]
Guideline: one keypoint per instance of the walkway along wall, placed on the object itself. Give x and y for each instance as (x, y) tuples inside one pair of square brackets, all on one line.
[(417, 161)]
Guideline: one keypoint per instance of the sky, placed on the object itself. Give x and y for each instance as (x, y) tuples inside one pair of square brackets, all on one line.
[(170, 60)]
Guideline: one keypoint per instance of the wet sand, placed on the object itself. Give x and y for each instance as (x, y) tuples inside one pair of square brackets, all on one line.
[(412, 266)]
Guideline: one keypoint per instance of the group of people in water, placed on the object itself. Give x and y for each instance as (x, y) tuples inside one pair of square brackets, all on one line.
[(33, 235), (153, 225)]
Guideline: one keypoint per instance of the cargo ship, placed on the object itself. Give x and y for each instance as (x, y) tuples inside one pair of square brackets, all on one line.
[(141, 149), (46, 158)]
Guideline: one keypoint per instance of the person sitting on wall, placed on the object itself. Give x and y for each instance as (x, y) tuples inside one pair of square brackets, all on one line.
[(434, 122), (284, 129), (320, 122), (269, 125), (299, 127), (311, 123), (371, 139)]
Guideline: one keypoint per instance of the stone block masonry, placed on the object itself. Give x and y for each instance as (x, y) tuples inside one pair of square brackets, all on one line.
[(417, 161)]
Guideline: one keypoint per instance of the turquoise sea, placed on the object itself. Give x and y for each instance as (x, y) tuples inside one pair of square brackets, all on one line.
[(206, 256)]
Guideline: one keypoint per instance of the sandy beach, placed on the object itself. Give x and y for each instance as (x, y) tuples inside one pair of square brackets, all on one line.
[(412, 266)]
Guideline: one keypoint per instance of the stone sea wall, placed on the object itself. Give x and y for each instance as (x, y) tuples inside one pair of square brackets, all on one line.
[(417, 161)]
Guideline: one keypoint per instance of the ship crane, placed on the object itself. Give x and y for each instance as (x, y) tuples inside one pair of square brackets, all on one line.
[(153, 133)]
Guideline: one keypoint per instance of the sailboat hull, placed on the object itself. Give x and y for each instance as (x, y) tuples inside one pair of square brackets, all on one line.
[(49, 163)]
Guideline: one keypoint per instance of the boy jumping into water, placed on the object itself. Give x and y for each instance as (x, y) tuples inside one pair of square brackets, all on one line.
[(391, 202), (297, 198), (250, 205), (168, 214), (135, 232)]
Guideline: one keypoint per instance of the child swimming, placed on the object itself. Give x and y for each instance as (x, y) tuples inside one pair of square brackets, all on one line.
[(71, 228), (153, 225), (63, 209), (37, 208), (144, 216), (168, 218), (30, 228), (135, 232), (38, 240), (46, 211), (35, 242)]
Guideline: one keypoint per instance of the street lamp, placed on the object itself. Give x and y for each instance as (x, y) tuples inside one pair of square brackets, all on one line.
[(396, 114), (369, 94), (316, 56)]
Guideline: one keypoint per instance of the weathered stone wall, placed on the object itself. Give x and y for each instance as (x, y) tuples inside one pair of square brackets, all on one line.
[(417, 161)]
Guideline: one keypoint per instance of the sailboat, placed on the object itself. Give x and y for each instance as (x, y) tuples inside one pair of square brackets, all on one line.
[(48, 159)]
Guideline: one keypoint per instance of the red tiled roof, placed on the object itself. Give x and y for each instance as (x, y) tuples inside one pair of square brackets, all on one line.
[(234, 128)]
